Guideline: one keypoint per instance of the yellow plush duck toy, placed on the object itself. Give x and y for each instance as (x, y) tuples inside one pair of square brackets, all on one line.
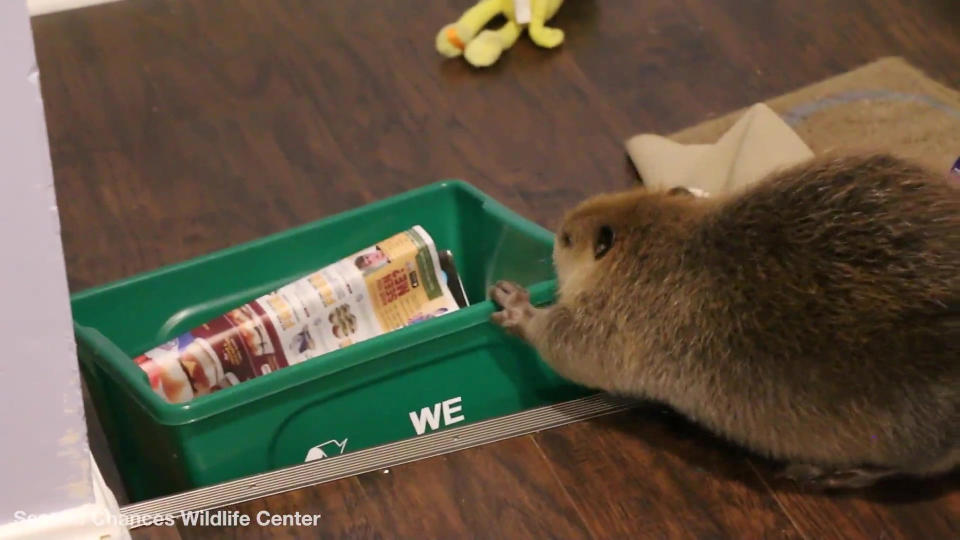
[(482, 49)]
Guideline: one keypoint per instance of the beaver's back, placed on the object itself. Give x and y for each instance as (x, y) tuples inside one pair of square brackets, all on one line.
[(841, 280), (839, 255)]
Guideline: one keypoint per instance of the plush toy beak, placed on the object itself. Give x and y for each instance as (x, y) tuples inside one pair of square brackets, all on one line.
[(454, 39)]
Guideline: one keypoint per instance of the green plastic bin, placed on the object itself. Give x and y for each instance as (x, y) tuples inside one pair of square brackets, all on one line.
[(449, 371)]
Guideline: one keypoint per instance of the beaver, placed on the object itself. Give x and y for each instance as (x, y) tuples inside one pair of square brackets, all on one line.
[(812, 317)]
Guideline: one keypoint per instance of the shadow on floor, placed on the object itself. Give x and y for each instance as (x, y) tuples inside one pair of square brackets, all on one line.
[(701, 449)]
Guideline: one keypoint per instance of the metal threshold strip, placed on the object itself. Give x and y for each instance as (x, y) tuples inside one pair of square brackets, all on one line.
[(379, 457)]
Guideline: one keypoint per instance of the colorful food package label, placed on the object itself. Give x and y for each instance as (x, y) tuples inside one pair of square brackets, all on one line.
[(393, 284)]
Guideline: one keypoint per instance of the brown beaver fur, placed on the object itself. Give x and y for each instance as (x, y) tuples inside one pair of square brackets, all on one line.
[(814, 317)]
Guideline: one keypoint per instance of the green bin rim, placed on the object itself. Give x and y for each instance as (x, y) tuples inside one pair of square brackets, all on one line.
[(120, 367)]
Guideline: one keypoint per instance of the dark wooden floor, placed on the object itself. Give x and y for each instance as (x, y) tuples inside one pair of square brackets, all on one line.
[(183, 126)]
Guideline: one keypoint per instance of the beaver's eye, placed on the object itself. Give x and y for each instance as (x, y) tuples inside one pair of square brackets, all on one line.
[(565, 239), (604, 242)]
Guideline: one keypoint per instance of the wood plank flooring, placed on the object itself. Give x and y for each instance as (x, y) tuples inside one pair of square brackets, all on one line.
[(179, 127)]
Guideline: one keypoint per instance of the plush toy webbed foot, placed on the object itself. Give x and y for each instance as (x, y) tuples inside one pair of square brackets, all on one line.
[(546, 37), (484, 48), (487, 47)]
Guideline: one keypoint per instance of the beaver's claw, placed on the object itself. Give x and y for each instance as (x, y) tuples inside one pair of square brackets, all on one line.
[(517, 310)]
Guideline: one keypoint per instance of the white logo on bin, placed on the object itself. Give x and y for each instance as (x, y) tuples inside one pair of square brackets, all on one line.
[(332, 447), (430, 416)]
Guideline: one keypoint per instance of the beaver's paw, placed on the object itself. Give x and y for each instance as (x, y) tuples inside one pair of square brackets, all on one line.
[(517, 310), (821, 478)]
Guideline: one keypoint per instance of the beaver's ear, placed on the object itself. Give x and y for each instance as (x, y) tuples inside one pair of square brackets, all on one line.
[(681, 191), (603, 241)]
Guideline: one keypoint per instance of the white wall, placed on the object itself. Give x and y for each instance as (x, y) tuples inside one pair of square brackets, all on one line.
[(40, 7), (44, 460)]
